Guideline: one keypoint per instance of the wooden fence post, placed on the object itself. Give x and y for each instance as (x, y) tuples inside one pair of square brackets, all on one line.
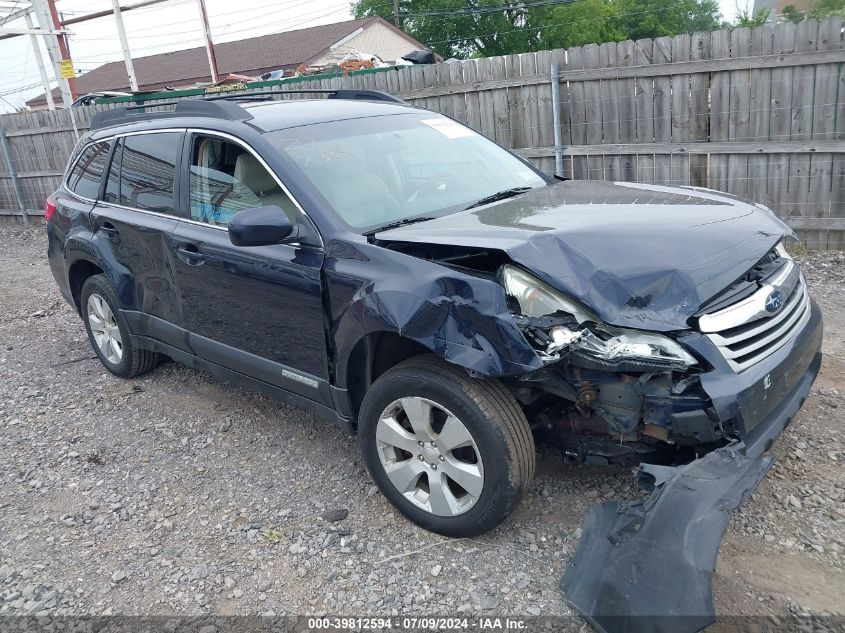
[(556, 117), (16, 186)]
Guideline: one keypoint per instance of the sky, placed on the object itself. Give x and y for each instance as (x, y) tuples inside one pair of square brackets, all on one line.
[(170, 26)]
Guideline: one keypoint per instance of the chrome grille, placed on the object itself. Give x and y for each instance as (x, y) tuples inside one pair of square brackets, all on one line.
[(746, 332)]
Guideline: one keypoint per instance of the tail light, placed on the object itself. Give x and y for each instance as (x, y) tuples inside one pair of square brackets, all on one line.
[(50, 208)]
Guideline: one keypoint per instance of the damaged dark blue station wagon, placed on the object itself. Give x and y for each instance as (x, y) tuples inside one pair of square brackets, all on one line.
[(411, 281)]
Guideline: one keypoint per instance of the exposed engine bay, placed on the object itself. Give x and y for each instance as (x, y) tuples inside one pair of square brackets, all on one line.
[(605, 395), (605, 412)]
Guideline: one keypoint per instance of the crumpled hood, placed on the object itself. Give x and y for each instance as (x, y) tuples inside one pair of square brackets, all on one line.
[(637, 255)]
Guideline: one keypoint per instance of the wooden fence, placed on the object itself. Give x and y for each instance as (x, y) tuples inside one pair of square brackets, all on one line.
[(759, 113)]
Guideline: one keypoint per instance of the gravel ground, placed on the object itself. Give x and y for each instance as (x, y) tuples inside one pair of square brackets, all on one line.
[(177, 494)]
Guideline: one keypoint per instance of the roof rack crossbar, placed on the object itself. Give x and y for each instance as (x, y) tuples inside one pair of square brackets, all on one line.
[(338, 93), (222, 106), (183, 107)]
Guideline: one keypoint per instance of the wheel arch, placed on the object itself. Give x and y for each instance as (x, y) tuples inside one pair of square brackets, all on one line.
[(371, 356), (78, 272), (87, 256)]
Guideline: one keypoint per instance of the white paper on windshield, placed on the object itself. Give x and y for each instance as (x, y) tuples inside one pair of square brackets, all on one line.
[(449, 128)]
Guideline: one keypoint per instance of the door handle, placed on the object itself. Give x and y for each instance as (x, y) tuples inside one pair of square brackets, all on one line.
[(190, 254), (109, 230)]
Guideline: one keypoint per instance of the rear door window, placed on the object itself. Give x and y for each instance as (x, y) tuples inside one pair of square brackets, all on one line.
[(87, 173), (143, 171)]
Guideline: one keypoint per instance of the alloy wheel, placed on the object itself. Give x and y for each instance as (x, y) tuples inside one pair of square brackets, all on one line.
[(104, 329), (430, 456)]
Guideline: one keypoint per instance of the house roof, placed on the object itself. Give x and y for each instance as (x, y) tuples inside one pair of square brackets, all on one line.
[(249, 56)]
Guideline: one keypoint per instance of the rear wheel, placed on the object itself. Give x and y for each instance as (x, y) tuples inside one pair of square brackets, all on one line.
[(109, 333), (452, 453)]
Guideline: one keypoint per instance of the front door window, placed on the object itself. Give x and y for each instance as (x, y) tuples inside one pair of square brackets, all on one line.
[(227, 179)]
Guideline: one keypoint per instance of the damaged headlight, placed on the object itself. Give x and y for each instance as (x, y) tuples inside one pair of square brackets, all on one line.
[(535, 299), (623, 344)]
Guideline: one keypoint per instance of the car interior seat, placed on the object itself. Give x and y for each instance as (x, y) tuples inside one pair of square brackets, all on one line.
[(345, 179), (252, 176)]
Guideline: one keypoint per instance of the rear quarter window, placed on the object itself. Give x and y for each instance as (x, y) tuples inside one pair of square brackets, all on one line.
[(87, 172)]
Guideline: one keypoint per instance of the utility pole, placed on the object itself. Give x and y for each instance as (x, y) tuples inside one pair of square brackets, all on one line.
[(36, 47), (209, 45), (124, 44), (48, 20), (53, 44), (396, 19), (63, 47)]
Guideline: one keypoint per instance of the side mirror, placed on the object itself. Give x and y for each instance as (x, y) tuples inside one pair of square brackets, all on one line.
[(261, 226)]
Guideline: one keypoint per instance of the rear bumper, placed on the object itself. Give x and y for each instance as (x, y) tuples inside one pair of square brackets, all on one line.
[(56, 260), (757, 404)]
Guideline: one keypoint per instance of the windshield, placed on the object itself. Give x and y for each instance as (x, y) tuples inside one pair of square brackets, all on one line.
[(378, 171)]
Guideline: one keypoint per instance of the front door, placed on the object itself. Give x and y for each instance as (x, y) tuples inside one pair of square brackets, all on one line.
[(256, 310)]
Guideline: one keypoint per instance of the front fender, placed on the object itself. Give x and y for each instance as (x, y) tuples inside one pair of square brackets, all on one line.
[(462, 318)]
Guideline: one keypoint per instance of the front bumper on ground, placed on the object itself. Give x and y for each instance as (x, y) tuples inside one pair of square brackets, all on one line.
[(648, 565)]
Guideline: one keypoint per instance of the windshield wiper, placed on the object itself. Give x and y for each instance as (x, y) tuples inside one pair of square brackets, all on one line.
[(499, 195), (397, 224)]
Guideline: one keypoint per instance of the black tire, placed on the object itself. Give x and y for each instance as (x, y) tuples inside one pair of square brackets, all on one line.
[(494, 420), (133, 361)]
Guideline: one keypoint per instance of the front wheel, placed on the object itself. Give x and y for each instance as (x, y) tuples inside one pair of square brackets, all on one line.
[(452, 453)]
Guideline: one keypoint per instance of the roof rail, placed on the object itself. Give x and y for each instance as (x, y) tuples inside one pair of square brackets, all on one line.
[(339, 93), (221, 106), (184, 107)]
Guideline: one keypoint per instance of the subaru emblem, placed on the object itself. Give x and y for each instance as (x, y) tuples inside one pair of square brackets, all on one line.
[(774, 301)]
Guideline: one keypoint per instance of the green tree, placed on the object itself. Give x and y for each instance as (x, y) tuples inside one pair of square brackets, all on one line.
[(658, 18), (791, 14), (466, 28), (748, 19), (827, 8), (576, 24), (458, 28)]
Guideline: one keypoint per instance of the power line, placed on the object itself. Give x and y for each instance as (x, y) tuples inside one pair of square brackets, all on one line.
[(133, 34), (277, 5), (479, 10), (245, 29), (342, 7)]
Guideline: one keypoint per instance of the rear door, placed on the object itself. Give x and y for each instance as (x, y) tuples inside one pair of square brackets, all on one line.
[(257, 310), (74, 202), (133, 222)]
